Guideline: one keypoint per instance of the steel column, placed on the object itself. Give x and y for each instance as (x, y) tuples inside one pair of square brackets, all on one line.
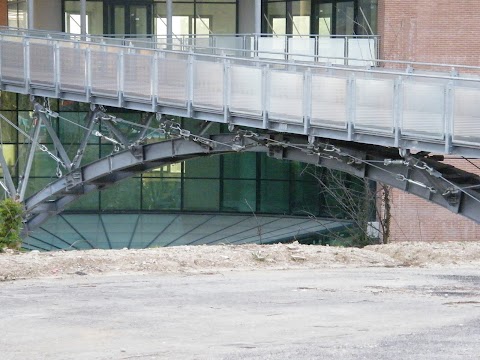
[(22, 185), (83, 17)]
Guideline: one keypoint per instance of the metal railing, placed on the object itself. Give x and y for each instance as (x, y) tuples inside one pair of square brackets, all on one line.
[(425, 111)]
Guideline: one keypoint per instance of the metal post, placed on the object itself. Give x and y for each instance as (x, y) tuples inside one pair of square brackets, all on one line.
[(258, 16), (28, 167), (83, 17), (169, 22), (6, 174), (31, 17)]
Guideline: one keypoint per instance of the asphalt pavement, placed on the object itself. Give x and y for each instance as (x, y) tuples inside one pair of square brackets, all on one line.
[(342, 313)]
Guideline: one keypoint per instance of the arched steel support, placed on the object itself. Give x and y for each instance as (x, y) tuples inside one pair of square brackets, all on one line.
[(419, 174)]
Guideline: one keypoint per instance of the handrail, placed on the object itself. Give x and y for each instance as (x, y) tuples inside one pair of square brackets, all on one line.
[(139, 40)]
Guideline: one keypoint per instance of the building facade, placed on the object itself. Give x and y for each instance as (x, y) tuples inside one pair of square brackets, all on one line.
[(252, 183)]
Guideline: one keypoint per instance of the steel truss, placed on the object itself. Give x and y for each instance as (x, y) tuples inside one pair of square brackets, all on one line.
[(420, 174)]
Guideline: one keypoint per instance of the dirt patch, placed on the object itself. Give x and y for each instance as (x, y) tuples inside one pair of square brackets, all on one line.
[(204, 259)]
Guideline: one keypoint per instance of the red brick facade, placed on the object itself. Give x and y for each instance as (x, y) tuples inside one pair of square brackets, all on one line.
[(3, 13), (440, 31)]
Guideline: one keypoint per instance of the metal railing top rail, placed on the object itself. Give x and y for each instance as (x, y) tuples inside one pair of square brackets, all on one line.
[(105, 39)]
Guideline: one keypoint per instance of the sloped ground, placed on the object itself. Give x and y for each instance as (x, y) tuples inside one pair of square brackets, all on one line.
[(205, 259)]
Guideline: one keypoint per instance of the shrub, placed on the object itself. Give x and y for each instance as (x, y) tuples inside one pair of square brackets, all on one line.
[(10, 224)]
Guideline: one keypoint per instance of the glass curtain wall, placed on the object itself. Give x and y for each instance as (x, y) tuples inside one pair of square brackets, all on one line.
[(17, 13), (94, 17), (200, 17), (323, 17)]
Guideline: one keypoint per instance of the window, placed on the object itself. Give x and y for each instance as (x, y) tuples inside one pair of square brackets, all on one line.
[(17, 14)]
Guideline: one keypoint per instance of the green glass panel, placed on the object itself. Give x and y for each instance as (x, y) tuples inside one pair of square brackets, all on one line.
[(9, 133), (206, 167), (275, 197), (239, 195), (8, 100), (240, 166), (274, 169), (161, 194), (122, 196), (72, 128), (24, 102), (10, 155), (42, 165), (305, 198), (36, 184), (196, 127), (169, 171), (68, 105), (201, 194), (87, 202)]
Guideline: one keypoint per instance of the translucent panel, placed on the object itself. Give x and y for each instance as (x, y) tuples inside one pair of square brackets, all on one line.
[(206, 167), (246, 90), (41, 64), (229, 42), (374, 104), (361, 49), (466, 118), (331, 48), (240, 166), (104, 68), (275, 197), (286, 96), (208, 85), (137, 76), (201, 194), (301, 46), (12, 62), (161, 194), (239, 195), (271, 48), (423, 109), (329, 101), (122, 196), (172, 81)]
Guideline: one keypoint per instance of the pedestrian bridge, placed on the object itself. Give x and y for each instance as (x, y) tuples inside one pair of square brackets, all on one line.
[(341, 112)]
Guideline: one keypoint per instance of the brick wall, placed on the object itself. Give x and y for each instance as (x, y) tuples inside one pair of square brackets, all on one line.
[(440, 31), (443, 31), (3, 13)]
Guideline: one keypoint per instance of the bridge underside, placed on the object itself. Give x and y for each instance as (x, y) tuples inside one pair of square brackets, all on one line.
[(421, 174)]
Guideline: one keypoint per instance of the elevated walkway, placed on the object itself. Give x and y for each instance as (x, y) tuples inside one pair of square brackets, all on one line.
[(374, 104), (381, 120)]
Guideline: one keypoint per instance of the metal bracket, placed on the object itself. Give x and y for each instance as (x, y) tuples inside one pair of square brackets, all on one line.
[(73, 179)]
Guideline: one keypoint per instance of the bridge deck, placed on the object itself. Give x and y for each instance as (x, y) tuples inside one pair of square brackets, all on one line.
[(435, 112)]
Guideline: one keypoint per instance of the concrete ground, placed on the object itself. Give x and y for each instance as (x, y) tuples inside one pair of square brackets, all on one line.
[(361, 313)]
